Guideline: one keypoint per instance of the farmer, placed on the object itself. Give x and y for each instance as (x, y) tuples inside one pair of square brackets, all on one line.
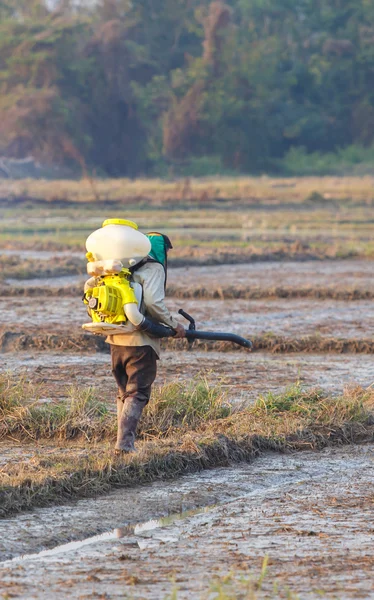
[(134, 353)]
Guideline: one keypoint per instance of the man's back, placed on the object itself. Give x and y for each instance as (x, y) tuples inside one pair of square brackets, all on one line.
[(151, 277)]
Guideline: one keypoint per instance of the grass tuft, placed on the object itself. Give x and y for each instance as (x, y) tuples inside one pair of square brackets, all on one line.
[(184, 405), (23, 416), (180, 436), (294, 400), (173, 406), (354, 405)]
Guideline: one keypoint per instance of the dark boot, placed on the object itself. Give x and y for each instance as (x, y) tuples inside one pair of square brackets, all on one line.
[(127, 423)]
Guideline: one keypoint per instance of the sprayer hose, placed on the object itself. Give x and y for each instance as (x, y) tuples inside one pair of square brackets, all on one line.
[(218, 336)]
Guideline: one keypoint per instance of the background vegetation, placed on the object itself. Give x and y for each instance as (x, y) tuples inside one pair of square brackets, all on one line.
[(188, 86)]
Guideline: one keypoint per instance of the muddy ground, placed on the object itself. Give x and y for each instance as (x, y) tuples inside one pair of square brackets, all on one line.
[(264, 274), (331, 318), (310, 513), (287, 273), (244, 377)]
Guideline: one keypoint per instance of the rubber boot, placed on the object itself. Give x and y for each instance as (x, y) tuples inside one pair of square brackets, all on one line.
[(127, 423)]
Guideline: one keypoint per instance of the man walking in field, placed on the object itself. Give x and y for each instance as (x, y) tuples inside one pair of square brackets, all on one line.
[(134, 353)]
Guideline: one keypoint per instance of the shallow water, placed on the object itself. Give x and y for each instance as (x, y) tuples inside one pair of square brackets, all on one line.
[(311, 513)]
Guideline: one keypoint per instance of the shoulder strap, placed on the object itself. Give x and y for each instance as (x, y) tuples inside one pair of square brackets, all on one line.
[(146, 260), (139, 265)]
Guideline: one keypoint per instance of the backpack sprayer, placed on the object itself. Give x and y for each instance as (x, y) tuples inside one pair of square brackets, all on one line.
[(113, 300)]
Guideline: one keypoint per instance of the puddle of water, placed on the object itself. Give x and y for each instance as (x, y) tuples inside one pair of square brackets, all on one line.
[(206, 491), (310, 512), (189, 496), (107, 536), (115, 534)]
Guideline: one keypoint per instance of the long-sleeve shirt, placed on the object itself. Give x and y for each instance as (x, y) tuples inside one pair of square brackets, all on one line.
[(151, 277)]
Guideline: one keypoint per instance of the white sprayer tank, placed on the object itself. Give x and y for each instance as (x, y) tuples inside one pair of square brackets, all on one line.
[(118, 240)]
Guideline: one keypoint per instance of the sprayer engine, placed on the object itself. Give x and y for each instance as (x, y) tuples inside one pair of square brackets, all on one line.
[(106, 301)]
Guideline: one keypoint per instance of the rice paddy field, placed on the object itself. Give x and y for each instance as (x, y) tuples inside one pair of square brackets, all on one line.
[(254, 475)]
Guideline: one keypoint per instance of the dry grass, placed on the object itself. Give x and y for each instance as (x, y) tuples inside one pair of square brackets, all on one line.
[(174, 407), (278, 344), (181, 406), (15, 341), (294, 420), (253, 292), (23, 417), (226, 254), (9, 291), (158, 192), (238, 220), (197, 255), (25, 268), (215, 292)]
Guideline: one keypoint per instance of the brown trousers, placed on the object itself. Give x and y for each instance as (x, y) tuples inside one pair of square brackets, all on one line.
[(134, 369)]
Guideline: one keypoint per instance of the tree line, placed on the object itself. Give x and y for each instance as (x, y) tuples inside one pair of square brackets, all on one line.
[(136, 87)]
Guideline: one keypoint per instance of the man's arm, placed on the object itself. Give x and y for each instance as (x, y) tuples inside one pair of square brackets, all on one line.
[(153, 281)]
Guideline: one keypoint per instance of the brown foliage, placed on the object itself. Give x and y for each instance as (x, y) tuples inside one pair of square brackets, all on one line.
[(110, 33), (30, 125), (110, 49), (338, 47), (218, 18), (181, 122)]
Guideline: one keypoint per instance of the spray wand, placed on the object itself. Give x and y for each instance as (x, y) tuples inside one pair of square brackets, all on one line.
[(161, 331)]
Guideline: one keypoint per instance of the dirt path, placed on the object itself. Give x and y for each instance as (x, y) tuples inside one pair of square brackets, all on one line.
[(311, 513)]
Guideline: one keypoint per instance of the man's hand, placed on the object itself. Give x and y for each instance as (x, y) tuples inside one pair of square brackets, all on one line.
[(181, 332)]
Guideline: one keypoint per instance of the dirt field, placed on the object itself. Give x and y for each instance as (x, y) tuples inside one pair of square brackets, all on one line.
[(263, 276), (248, 317), (293, 275)]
